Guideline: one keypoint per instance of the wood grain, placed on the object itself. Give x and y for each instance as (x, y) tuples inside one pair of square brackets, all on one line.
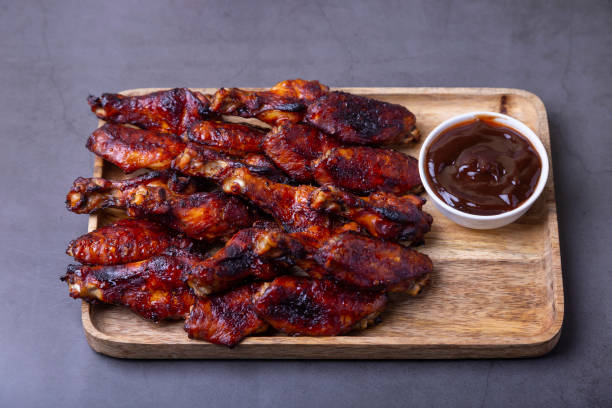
[(495, 293)]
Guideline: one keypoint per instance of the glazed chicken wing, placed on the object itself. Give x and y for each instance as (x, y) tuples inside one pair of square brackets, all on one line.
[(289, 205), (357, 119), (383, 215), (284, 102), (293, 147), (226, 318), (132, 149), (363, 170), (171, 111), (203, 216), (353, 260), (236, 262), (368, 263), (200, 161), (154, 288), (231, 138), (303, 306), (124, 241)]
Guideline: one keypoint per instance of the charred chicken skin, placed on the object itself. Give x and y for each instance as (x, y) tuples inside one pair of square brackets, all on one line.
[(368, 263), (225, 318), (363, 170), (289, 205), (231, 138), (293, 147), (383, 215), (236, 262), (360, 120), (306, 154), (172, 111), (202, 216), (284, 102), (132, 149), (124, 241), (155, 288), (200, 161), (303, 306)]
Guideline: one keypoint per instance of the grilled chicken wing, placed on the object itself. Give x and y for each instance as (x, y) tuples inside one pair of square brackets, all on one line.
[(363, 170), (171, 111), (226, 318), (301, 208), (132, 149), (289, 205), (293, 147), (236, 262), (203, 216), (302, 306), (383, 215), (361, 120), (352, 259), (284, 102), (124, 241), (200, 161), (231, 138), (368, 263), (154, 288)]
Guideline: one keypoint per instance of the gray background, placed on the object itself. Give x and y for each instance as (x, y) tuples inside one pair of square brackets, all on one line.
[(54, 55)]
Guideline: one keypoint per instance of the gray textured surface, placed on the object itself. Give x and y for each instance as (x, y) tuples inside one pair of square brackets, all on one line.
[(53, 55)]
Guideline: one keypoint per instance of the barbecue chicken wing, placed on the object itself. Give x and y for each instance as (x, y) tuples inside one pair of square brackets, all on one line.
[(154, 288), (293, 147), (132, 149), (289, 205), (203, 216), (302, 306), (171, 111), (352, 259), (200, 161), (302, 208), (236, 262), (124, 241), (361, 120), (368, 263), (306, 154), (363, 170), (284, 102), (226, 318), (383, 215), (231, 138)]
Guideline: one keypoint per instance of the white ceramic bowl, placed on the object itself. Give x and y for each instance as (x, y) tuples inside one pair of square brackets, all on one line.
[(484, 221)]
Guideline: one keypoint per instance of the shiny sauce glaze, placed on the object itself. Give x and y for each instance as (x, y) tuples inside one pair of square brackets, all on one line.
[(482, 167)]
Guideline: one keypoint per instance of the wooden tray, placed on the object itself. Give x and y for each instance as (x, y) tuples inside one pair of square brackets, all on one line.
[(495, 293)]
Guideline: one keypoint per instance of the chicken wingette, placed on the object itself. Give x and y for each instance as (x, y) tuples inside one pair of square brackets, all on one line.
[(124, 241)]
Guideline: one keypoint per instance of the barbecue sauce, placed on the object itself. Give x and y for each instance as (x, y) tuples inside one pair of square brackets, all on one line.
[(482, 167)]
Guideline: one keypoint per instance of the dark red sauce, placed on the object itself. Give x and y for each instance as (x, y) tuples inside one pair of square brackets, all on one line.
[(482, 167)]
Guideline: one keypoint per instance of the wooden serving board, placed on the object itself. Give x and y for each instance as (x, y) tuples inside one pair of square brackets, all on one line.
[(495, 293)]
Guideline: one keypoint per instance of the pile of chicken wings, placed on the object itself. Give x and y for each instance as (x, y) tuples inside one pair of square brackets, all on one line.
[(301, 224)]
